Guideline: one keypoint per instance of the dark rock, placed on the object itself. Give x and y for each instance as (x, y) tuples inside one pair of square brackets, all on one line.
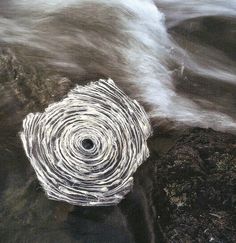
[(25, 89), (198, 175), (186, 192)]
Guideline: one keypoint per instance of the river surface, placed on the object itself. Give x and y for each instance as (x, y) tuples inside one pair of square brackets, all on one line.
[(176, 59)]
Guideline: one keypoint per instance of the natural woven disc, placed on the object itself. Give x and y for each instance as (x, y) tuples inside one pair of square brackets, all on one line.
[(86, 148)]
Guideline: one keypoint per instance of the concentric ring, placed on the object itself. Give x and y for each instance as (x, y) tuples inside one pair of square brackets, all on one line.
[(86, 148)]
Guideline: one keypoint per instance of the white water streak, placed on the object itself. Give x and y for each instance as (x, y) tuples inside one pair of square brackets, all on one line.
[(147, 49), (179, 10)]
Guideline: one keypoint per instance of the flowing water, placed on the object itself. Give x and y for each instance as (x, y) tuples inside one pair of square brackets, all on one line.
[(175, 57)]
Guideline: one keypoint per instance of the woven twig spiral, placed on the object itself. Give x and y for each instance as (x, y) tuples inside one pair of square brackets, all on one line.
[(86, 148)]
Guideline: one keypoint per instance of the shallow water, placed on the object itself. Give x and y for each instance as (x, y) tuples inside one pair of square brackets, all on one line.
[(51, 51)]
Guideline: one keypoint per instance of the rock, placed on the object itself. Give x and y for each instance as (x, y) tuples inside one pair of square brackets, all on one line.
[(186, 192), (25, 89), (198, 175)]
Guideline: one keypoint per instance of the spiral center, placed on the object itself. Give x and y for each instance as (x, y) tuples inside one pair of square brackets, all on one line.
[(87, 144)]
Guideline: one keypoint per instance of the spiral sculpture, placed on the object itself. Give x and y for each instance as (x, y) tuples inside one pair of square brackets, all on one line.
[(86, 148)]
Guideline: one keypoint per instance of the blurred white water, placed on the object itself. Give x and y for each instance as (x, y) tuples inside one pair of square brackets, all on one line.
[(129, 41), (178, 10)]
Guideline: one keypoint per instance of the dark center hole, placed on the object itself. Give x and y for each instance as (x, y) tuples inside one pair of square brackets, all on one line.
[(87, 143)]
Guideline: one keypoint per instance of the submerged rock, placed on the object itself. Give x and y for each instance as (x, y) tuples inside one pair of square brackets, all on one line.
[(24, 89)]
